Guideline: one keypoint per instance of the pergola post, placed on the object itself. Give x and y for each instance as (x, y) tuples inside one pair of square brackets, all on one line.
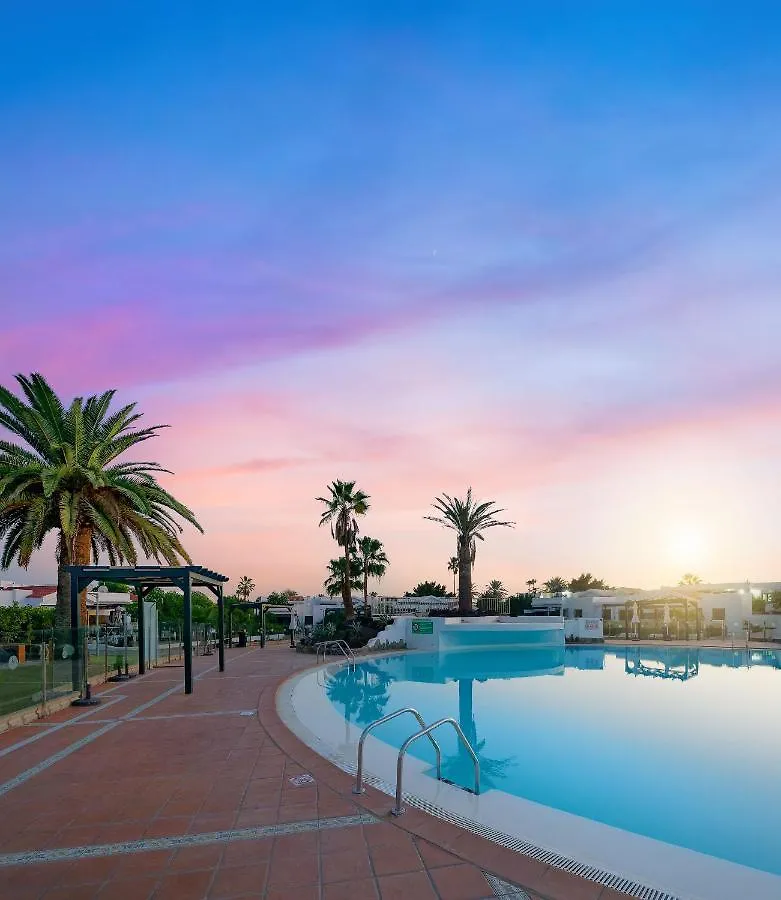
[(187, 636), (75, 674), (626, 620), (221, 628), (686, 620), (141, 631), (230, 626)]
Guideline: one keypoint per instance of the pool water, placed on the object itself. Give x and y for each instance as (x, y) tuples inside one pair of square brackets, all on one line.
[(681, 745)]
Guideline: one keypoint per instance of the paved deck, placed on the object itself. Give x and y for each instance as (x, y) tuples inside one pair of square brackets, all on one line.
[(154, 795)]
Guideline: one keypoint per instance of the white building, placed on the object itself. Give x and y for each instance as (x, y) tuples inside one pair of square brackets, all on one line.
[(726, 606)]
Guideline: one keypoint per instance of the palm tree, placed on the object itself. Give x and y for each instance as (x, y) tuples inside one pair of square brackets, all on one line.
[(335, 582), (690, 579), (531, 584), (341, 511), (64, 477), (245, 588), (495, 590), (586, 582), (468, 519), (452, 566), (494, 595), (374, 562), (556, 586)]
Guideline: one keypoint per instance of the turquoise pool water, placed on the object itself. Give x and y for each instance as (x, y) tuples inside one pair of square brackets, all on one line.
[(681, 745)]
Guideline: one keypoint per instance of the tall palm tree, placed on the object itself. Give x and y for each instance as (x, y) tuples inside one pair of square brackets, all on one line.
[(65, 477), (374, 562), (452, 566), (342, 508), (469, 519), (245, 588)]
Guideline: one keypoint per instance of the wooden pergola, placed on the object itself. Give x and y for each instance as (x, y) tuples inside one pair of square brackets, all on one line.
[(144, 578)]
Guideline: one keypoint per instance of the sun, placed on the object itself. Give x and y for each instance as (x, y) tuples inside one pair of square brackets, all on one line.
[(686, 544)]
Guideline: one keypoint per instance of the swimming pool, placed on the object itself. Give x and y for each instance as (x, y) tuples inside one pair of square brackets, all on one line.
[(675, 746)]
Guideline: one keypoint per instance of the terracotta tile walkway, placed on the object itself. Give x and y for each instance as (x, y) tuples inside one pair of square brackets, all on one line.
[(157, 796)]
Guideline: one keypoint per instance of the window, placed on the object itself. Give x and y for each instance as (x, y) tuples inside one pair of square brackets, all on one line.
[(607, 613), (719, 614), (578, 613)]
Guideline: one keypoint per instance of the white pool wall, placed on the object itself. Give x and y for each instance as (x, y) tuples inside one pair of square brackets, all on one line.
[(454, 632)]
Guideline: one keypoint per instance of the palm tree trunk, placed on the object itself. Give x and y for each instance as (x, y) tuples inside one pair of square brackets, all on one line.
[(365, 585), (62, 611), (347, 597), (83, 554), (464, 576)]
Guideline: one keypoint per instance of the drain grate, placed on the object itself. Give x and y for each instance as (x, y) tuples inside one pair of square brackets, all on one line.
[(590, 873), (548, 857), (504, 889)]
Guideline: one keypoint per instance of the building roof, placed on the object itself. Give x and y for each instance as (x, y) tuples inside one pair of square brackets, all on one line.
[(34, 591)]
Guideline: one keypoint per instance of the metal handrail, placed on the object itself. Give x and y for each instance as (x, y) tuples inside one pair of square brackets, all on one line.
[(399, 809), (341, 645), (359, 789)]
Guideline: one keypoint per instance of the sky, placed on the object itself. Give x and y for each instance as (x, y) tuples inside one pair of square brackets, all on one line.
[(528, 247)]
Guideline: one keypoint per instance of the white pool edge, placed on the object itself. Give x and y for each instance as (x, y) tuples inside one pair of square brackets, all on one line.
[(637, 865)]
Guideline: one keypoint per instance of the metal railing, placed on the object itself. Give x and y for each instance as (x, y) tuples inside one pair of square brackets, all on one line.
[(426, 732), (342, 646), (359, 789)]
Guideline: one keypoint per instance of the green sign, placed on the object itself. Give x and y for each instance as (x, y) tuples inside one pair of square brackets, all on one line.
[(422, 626)]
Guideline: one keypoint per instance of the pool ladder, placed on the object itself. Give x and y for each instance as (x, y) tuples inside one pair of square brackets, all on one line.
[(425, 731), (342, 646)]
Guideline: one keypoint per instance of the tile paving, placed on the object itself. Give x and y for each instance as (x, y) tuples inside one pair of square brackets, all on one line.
[(182, 798)]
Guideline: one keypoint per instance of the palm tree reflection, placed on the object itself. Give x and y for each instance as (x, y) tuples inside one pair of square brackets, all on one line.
[(460, 770)]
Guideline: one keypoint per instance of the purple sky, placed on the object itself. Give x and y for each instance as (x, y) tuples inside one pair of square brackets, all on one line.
[(529, 249)]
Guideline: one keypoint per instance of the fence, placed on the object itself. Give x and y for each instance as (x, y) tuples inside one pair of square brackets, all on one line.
[(410, 606), (42, 665)]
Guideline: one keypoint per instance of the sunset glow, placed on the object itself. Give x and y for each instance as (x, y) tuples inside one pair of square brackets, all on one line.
[(422, 247)]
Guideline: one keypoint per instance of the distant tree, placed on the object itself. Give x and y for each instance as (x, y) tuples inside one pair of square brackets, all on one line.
[(204, 609), (531, 584), (336, 583), (284, 597), (374, 562), (116, 587), (341, 512), (245, 588), (428, 589), (493, 596), (775, 601), (469, 519), (495, 590), (586, 582), (690, 579), (452, 566), (555, 586)]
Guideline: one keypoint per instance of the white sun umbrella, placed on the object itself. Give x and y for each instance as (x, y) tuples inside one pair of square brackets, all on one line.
[(667, 614), (636, 615)]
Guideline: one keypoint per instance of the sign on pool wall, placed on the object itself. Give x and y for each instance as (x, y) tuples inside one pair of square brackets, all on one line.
[(422, 626)]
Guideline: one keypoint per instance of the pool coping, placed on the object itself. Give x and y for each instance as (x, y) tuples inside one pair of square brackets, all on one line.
[(489, 839)]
